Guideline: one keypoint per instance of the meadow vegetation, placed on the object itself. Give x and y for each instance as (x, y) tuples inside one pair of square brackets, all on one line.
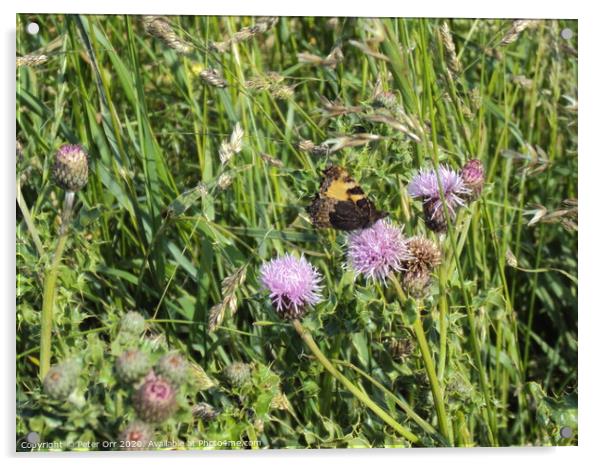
[(206, 139)]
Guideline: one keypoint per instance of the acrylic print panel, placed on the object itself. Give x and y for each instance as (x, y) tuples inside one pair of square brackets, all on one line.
[(262, 233)]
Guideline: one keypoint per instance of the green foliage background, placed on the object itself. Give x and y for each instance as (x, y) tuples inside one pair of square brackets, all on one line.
[(155, 233)]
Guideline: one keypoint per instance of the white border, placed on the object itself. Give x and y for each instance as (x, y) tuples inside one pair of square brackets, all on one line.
[(590, 32)]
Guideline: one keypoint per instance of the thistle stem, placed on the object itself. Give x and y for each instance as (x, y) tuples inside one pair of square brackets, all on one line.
[(361, 396), (432, 376), (50, 287), (429, 366)]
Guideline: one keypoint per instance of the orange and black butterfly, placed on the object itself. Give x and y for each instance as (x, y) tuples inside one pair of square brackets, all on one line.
[(341, 203)]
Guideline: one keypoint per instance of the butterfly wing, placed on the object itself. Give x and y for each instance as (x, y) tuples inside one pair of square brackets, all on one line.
[(342, 203)]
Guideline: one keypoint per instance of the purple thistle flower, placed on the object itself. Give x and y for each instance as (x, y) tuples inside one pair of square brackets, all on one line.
[(293, 283), (155, 400), (378, 251), (425, 186)]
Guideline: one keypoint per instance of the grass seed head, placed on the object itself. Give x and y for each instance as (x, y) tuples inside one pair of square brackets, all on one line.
[(159, 27), (262, 25), (205, 411), (213, 77), (451, 58), (32, 60), (224, 181), (517, 27)]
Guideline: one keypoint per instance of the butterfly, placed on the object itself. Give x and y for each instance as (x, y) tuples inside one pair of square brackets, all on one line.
[(341, 203)]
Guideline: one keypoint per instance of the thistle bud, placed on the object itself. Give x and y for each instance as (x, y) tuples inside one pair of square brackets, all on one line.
[(237, 373), (385, 99), (132, 365), (61, 379), (474, 178), (132, 324), (70, 169), (155, 400), (173, 367), (136, 436)]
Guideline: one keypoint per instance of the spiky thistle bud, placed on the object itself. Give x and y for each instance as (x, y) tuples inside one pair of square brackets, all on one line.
[(136, 436), (425, 256), (132, 324), (70, 169), (132, 365), (61, 379), (385, 99), (155, 400), (173, 367), (473, 175), (205, 411), (237, 373)]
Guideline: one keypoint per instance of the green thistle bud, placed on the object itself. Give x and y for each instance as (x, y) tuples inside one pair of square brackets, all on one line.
[(237, 373), (173, 367), (385, 99), (136, 436), (155, 400), (132, 324), (132, 365), (61, 379), (70, 169)]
